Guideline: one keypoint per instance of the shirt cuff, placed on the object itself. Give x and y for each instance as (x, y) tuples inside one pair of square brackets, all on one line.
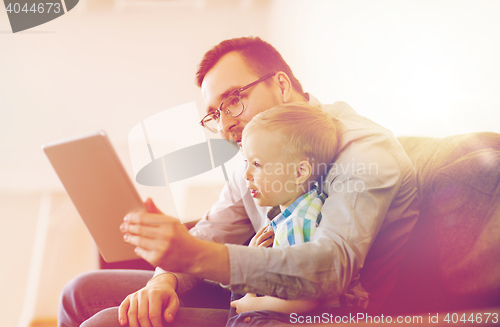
[(159, 271), (184, 282)]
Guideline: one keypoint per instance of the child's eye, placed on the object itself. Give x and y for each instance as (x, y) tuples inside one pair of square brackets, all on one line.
[(256, 164)]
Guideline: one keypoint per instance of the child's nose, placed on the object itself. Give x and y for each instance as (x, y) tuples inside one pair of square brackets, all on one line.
[(247, 175)]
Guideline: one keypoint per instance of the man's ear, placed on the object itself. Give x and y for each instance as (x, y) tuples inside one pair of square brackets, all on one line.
[(285, 86), (304, 171)]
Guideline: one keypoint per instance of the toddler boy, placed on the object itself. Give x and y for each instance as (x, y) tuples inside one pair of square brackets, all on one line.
[(289, 149)]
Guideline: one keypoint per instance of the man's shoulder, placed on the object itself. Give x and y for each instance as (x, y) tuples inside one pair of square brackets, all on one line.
[(354, 128), (350, 120), (364, 142)]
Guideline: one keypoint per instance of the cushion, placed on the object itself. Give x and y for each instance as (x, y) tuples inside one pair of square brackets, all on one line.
[(453, 260), (465, 201)]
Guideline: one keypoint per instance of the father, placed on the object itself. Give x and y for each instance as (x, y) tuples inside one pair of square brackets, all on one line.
[(351, 260)]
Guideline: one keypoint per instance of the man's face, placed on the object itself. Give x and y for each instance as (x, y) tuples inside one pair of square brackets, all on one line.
[(270, 175), (229, 74)]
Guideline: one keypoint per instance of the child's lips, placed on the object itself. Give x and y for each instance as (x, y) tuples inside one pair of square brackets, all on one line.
[(254, 192)]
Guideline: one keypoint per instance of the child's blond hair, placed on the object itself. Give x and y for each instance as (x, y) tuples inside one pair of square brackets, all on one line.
[(304, 130)]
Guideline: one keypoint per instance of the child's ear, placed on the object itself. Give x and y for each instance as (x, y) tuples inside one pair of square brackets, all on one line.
[(304, 171)]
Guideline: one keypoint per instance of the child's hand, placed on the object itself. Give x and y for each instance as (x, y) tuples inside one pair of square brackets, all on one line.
[(245, 303), (263, 239)]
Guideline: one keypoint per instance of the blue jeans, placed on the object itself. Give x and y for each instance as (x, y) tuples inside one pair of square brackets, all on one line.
[(92, 300), (318, 317), (255, 318)]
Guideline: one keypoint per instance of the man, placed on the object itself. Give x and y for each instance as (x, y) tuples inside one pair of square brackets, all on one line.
[(367, 218)]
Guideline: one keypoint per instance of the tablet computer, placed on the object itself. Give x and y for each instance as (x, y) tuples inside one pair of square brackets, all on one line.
[(100, 189)]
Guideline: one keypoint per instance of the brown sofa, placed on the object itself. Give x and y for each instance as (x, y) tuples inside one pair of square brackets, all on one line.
[(453, 259)]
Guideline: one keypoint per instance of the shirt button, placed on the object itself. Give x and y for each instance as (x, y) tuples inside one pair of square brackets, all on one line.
[(247, 319)]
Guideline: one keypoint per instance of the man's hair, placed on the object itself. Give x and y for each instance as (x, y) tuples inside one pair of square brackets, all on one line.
[(304, 131), (261, 57)]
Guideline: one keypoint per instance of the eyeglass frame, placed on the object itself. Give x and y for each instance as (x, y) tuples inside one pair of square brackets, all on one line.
[(238, 91)]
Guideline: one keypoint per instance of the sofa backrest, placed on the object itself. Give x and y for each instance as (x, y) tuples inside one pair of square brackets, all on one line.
[(453, 260)]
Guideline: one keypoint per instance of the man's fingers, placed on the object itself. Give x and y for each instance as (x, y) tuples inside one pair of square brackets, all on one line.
[(140, 241), (155, 305), (234, 304), (152, 219), (172, 308), (143, 311), (143, 230), (122, 312), (132, 313)]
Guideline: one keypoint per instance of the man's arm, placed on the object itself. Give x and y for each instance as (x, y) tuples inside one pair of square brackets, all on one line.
[(163, 241), (321, 268), (324, 267), (371, 188), (184, 283)]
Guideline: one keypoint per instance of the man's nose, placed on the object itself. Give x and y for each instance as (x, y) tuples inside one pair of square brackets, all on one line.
[(227, 122)]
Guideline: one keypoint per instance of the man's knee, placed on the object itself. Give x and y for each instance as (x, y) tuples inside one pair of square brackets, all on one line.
[(72, 308), (78, 286)]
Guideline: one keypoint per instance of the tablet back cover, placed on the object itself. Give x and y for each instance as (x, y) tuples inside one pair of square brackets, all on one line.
[(100, 189)]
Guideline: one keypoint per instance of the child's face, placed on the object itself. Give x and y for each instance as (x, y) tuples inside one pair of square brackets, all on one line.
[(270, 177)]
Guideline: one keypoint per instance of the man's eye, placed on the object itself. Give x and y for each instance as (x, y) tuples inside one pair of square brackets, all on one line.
[(232, 105), (234, 101), (256, 164), (214, 115)]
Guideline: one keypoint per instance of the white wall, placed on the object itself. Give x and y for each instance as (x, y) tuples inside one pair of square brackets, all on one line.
[(104, 70), (90, 69), (418, 67)]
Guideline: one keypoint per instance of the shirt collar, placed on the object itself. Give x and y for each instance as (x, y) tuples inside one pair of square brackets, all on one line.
[(309, 197), (312, 99)]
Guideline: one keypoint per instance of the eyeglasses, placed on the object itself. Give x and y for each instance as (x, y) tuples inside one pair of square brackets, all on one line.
[(232, 106)]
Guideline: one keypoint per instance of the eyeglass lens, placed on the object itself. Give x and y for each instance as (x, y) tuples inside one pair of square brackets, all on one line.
[(212, 123), (232, 106)]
